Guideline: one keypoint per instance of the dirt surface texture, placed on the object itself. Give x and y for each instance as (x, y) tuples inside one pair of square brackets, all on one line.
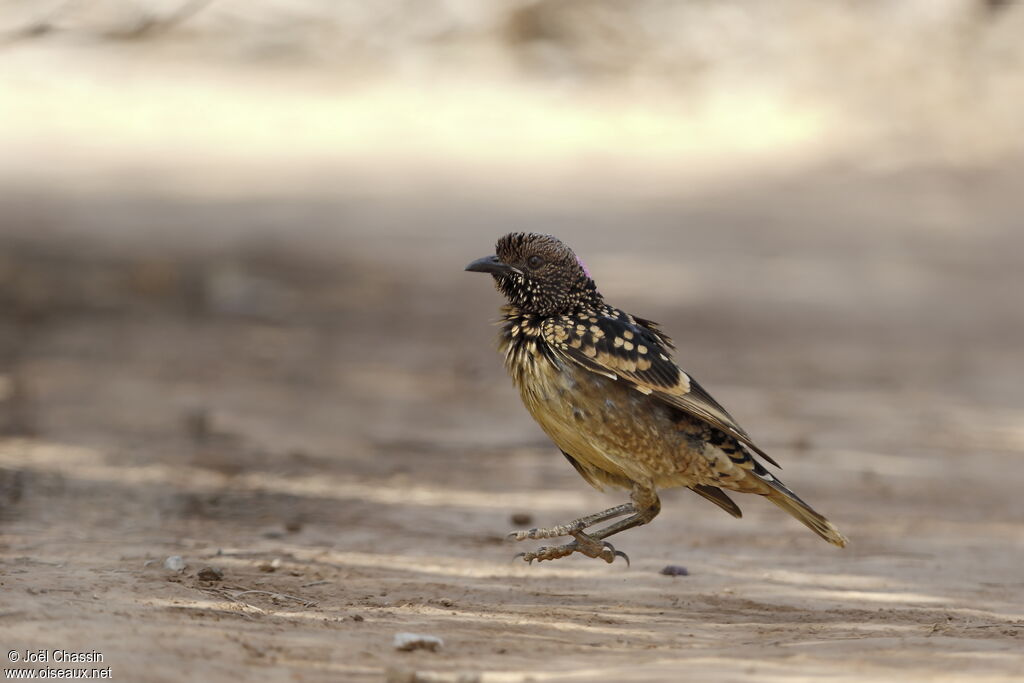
[(316, 422)]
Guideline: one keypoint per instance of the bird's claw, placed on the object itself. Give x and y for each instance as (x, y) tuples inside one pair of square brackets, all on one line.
[(583, 544), (606, 551), (616, 553)]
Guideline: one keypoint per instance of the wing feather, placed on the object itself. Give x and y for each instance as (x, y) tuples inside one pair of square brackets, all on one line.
[(613, 343)]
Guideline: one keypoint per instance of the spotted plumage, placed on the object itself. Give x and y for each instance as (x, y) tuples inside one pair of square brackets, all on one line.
[(604, 386)]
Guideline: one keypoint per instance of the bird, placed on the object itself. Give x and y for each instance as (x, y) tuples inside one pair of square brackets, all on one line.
[(605, 388)]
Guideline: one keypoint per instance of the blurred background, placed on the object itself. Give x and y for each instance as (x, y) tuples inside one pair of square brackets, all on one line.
[(233, 312)]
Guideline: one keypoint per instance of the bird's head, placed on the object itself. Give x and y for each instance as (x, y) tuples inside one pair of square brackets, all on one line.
[(538, 274)]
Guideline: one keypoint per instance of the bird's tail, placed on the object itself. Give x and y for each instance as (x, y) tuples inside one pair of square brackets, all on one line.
[(719, 498), (791, 503)]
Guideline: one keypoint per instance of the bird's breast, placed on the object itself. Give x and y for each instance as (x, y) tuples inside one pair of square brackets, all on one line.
[(600, 421), (597, 420)]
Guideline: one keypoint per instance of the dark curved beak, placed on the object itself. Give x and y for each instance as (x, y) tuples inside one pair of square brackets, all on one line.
[(489, 264)]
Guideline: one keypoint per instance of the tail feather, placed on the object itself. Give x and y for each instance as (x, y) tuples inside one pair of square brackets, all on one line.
[(718, 497), (791, 503), (739, 471)]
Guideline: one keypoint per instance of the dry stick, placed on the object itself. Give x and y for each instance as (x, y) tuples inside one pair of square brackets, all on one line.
[(224, 594), (243, 614), (302, 601), (234, 597), (152, 24), (41, 25)]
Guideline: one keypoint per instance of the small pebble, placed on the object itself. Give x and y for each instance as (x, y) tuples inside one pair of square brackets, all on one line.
[(408, 642), (197, 424), (522, 518), (674, 570), (210, 574), (174, 563), (271, 566)]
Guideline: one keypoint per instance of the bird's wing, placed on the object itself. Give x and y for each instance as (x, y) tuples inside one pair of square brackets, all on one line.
[(613, 343)]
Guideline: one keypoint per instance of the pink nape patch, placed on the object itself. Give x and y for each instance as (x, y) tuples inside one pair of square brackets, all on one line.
[(583, 266)]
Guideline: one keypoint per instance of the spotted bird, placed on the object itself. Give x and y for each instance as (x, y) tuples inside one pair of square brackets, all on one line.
[(604, 387)]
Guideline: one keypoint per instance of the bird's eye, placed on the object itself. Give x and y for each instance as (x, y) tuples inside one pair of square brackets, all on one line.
[(535, 262)]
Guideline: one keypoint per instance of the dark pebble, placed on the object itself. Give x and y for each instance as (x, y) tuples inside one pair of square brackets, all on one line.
[(210, 574), (674, 570)]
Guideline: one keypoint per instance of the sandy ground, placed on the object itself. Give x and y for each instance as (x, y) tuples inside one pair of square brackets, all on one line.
[(305, 395)]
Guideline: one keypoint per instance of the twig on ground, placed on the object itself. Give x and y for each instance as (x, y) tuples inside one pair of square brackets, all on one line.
[(235, 596)]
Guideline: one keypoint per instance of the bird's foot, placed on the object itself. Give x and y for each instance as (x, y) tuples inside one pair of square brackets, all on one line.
[(591, 547)]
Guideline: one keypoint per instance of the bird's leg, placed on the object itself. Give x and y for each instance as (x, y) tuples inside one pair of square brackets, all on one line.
[(645, 507), (573, 526)]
